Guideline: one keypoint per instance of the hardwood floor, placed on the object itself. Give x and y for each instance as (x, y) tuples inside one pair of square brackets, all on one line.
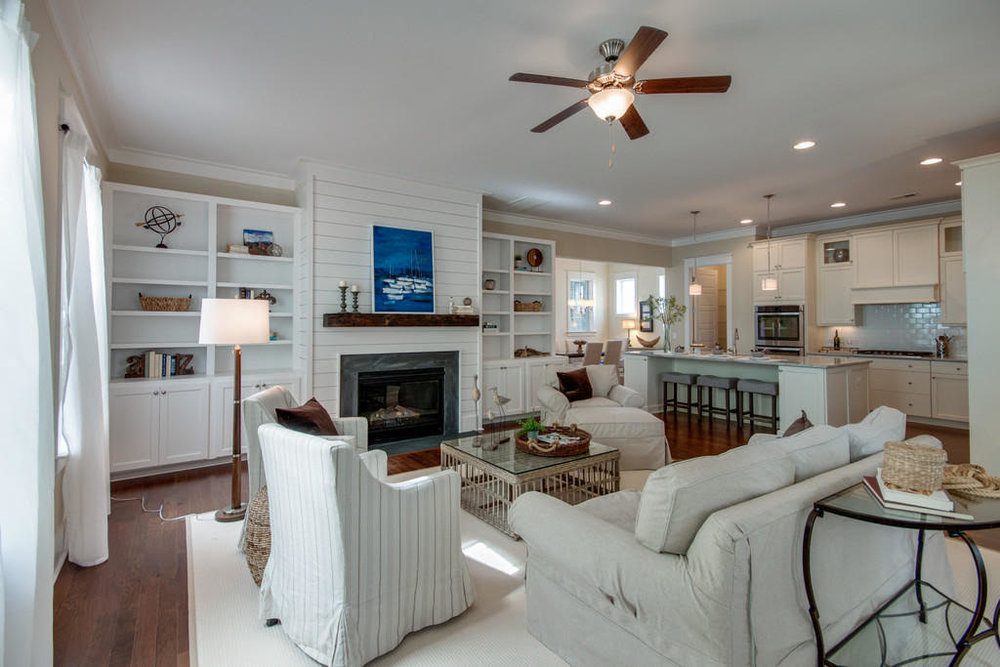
[(132, 610)]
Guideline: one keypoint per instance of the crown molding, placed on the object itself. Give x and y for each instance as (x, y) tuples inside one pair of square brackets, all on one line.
[(502, 217), (980, 161), (903, 214), (708, 237), (203, 168)]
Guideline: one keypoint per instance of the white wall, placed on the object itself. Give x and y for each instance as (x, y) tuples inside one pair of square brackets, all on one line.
[(340, 207), (647, 282), (981, 234)]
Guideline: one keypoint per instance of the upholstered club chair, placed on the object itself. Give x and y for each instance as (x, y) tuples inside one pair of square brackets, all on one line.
[(259, 409), (614, 416), (357, 563)]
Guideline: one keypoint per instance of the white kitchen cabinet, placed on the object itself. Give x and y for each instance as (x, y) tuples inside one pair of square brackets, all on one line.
[(873, 253), (916, 255), (793, 254), (785, 254), (791, 286), (158, 423), (833, 295), (507, 377), (832, 396), (949, 391), (536, 372), (953, 291), (222, 430)]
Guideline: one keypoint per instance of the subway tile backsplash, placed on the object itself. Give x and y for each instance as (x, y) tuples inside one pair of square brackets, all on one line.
[(904, 326)]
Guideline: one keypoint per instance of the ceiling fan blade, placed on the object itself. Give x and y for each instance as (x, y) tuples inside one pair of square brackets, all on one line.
[(641, 47), (633, 124), (560, 117), (550, 80), (684, 84)]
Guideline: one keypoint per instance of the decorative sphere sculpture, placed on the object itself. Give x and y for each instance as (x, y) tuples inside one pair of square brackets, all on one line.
[(160, 220)]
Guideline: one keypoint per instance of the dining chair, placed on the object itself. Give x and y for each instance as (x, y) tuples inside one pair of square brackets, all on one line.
[(613, 352), (592, 354)]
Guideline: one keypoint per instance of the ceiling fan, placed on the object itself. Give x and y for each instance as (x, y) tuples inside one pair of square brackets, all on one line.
[(613, 85)]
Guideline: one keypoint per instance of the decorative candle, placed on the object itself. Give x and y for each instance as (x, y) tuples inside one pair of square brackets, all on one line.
[(343, 283), (354, 289)]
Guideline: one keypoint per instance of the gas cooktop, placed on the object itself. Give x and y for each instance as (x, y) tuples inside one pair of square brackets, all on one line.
[(896, 353)]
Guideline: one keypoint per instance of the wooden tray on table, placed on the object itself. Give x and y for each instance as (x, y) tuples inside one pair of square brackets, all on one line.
[(581, 446)]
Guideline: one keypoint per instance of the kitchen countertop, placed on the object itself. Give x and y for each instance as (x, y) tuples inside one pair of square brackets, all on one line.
[(961, 360), (808, 361)]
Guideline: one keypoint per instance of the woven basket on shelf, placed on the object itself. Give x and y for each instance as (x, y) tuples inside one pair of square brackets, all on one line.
[(258, 538), (173, 304), (526, 307), (916, 468)]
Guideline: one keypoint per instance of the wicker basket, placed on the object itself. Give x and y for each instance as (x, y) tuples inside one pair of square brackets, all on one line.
[(533, 307), (258, 537), (915, 468), (173, 304)]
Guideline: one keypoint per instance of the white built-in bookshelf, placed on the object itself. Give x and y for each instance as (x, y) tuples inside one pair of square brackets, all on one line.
[(516, 329), (197, 263)]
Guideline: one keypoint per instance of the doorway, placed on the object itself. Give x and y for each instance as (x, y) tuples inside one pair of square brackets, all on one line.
[(709, 318)]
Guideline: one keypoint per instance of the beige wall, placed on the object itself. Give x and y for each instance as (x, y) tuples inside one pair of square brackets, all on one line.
[(582, 246), (171, 180)]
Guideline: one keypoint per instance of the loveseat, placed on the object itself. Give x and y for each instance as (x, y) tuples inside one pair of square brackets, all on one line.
[(703, 566), (613, 416)]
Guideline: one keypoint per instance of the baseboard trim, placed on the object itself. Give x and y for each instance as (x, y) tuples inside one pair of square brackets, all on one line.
[(930, 421), (166, 471)]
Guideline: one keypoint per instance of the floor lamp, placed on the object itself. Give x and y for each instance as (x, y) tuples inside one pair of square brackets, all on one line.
[(234, 322)]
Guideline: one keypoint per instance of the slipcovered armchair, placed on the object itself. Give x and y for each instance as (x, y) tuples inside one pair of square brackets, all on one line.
[(356, 563), (614, 416)]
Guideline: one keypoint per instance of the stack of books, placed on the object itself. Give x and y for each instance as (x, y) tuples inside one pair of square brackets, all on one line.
[(937, 503), (160, 365)]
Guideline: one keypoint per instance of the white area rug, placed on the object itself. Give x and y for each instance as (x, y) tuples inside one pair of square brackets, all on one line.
[(224, 628)]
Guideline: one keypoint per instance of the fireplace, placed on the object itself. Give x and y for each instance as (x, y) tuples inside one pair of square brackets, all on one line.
[(402, 404), (408, 398)]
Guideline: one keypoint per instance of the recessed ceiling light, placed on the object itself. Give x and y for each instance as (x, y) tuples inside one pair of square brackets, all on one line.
[(838, 204), (804, 144), (931, 160), (959, 184), (746, 221), (604, 202)]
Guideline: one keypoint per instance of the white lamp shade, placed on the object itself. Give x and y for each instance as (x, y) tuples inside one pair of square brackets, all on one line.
[(694, 289), (611, 103), (769, 284), (234, 322), (628, 324)]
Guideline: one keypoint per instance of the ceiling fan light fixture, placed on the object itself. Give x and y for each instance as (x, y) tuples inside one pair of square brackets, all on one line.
[(611, 104)]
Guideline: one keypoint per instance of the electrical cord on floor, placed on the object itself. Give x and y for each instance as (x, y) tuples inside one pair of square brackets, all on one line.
[(158, 510)]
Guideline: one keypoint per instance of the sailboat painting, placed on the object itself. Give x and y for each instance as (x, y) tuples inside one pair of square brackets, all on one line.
[(402, 270)]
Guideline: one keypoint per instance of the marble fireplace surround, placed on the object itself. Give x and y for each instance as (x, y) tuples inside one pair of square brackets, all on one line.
[(353, 364)]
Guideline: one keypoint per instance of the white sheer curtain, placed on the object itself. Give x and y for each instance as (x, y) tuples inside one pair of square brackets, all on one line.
[(83, 374), (27, 437)]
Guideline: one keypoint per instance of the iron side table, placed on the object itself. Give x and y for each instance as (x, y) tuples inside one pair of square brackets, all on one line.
[(856, 503)]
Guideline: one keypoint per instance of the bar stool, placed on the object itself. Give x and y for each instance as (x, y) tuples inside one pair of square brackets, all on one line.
[(713, 382), (686, 379), (754, 387)]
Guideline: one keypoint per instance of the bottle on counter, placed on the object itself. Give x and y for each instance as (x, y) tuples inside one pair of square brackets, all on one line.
[(836, 339)]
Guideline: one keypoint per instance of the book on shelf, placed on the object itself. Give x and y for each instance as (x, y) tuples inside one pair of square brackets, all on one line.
[(871, 483), (161, 365), (938, 500)]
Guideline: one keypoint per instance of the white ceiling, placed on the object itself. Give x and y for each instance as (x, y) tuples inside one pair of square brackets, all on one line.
[(420, 90)]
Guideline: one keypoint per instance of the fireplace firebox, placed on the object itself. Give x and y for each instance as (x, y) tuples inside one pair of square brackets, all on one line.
[(401, 404)]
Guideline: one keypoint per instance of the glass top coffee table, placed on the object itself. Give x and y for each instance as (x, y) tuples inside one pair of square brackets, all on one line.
[(493, 479)]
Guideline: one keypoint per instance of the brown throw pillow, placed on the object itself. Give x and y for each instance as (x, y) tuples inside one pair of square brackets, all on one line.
[(575, 385), (309, 418), (797, 426)]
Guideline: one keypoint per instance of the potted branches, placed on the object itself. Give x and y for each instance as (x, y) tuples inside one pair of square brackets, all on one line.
[(669, 313)]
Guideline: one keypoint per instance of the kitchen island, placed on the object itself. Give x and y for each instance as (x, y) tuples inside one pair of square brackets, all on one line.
[(831, 390)]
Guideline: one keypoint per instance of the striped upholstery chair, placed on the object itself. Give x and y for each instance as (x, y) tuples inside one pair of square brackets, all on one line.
[(357, 563)]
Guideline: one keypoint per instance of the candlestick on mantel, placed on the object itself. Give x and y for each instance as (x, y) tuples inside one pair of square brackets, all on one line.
[(343, 295), (354, 298)]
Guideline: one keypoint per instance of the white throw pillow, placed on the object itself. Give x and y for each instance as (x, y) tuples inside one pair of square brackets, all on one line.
[(816, 450), (678, 498), (882, 425), (602, 378)]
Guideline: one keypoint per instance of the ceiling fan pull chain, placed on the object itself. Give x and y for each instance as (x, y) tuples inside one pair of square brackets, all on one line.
[(611, 138)]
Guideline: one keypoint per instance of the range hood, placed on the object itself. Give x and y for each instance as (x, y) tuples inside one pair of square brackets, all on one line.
[(861, 296)]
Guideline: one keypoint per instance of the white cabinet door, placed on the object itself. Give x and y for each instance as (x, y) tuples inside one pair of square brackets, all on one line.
[(950, 397), (833, 296), (513, 388), (222, 440), (873, 257), (534, 379), (184, 422), (857, 393), (759, 295), (916, 255), (492, 379), (760, 257), (134, 428), (792, 285), (953, 291), (792, 254)]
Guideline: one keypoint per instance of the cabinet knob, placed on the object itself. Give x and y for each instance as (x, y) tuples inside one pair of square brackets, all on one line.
[(164, 392), (156, 393)]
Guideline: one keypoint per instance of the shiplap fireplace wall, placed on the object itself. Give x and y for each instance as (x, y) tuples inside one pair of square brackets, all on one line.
[(339, 208)]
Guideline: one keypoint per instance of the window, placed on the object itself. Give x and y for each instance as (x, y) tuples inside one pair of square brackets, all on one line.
[(663, 285), (580, 301), (625, 299)]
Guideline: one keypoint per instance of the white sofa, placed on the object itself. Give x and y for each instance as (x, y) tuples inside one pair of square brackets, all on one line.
[(613, 417), (703, 566)]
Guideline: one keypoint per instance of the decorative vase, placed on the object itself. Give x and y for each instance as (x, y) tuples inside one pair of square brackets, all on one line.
[(666, 338)]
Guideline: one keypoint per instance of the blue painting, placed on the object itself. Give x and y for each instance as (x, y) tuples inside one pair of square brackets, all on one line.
[(402, 270)]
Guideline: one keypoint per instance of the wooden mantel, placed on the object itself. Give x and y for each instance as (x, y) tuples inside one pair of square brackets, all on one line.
[(398, 320)]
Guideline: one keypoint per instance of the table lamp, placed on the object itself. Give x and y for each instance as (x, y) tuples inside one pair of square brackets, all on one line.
[(234, 322), (629, 326)]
